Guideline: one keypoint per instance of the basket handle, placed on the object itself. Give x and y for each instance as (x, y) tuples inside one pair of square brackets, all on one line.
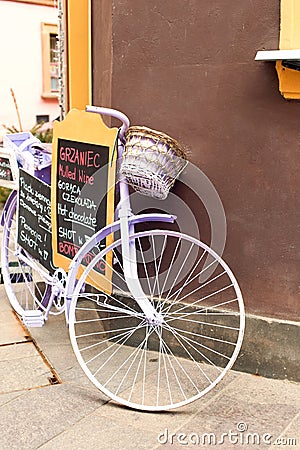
[(113, 113)]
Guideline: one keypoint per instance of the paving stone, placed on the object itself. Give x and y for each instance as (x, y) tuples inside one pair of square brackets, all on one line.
[(17, 351), (291, 435), (61, 356), (6, 398), (93, 432), (54, 339), (75, 415), (251, 408), (22, 367), (55, 331), (266, 390), (113, 427), (10, 328), (5, 306), (40, 414)]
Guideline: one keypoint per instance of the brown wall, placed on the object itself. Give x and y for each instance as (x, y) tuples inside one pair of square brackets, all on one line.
[(187, 67)]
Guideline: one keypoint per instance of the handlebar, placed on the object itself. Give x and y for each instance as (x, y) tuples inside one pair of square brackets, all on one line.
[(113, 113)]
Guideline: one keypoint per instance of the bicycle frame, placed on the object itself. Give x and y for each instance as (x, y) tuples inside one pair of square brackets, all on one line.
[(125, 223), (127, 228)]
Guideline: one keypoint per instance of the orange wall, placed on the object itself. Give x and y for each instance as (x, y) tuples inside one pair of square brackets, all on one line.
[(79, 53)]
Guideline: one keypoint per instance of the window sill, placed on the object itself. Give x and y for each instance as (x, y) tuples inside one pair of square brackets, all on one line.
[(50, 95), (37, 2)]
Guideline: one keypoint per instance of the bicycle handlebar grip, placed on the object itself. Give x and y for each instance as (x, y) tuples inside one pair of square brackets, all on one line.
[(113, 113)]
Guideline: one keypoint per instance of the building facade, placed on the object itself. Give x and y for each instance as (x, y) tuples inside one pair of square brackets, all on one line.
[(28, 66), (187, 67)]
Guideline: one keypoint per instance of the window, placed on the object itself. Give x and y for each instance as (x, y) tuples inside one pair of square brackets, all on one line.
[(50, 60), (42, 118)]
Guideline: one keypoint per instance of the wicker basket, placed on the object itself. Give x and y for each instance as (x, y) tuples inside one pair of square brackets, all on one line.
[(151, 161)]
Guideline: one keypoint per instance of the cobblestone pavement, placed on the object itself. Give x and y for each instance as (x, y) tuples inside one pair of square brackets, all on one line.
[(244, 411)]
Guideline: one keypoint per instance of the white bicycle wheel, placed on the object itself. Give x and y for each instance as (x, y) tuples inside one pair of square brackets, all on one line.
[(26, 287), (165, 366)]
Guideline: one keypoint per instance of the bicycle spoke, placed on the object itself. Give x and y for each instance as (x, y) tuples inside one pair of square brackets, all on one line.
[(27, 283), (181, 338), (133, 356), (180, 330), (124, 362), (146, 270), (196, 302), (161, 342), (190, 345), (181, 366), (177, 275), (195, 290), (157, 266), (170, 266), (170, 318), (190, 341)]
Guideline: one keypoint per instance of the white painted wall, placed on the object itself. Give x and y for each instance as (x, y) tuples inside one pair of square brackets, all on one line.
[(21, 63)]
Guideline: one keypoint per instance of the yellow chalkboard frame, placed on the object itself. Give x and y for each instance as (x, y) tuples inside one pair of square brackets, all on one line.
[(86, 127)]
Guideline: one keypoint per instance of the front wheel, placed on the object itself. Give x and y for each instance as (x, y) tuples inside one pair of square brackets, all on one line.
[(167, 365)]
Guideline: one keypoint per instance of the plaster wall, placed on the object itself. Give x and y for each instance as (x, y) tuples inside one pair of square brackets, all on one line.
[(21, 63)]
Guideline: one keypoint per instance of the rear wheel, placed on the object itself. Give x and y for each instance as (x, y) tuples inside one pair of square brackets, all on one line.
[(26, 283), (163, 366)]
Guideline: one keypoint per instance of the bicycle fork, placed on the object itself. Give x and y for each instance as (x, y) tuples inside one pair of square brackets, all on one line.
[(152, 316)]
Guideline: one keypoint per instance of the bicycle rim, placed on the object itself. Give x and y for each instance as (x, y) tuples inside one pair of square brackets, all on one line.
[(164, 366), (26, 287)]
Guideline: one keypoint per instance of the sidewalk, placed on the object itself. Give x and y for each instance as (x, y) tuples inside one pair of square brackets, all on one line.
[(244, 411)]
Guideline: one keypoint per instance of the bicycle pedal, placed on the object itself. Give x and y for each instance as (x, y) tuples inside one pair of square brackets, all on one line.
[(33, 318)]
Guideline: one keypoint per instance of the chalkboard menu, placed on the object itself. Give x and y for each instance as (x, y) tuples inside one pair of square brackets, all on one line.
[(83, 177), (81, 206), (34, 220), (6, 171)]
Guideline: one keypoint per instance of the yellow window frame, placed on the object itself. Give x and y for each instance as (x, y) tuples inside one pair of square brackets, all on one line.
[(289, 80), (47, 30)]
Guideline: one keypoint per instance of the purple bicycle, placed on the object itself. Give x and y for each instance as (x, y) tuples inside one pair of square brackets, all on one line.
[(172, 323)]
